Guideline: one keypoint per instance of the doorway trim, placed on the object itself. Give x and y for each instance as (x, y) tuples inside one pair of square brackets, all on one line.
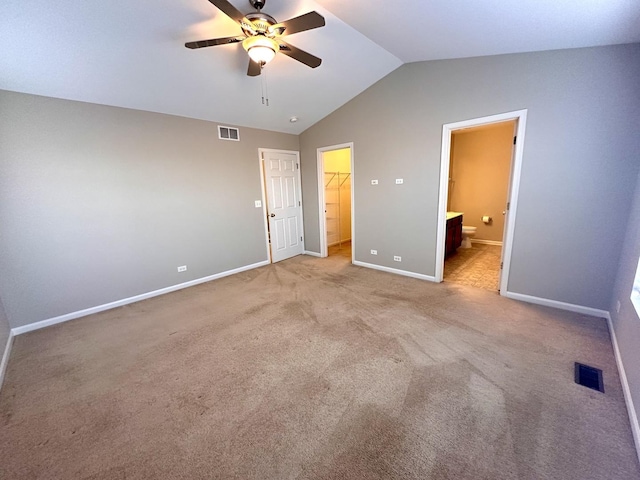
[(322, 218), (520, 116), (261, 152)]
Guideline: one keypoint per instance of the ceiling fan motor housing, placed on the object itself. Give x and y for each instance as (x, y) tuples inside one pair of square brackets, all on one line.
[(257, 4), (260, 23)]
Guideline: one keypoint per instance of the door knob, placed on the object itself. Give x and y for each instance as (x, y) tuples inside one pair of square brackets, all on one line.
[(272, 215)]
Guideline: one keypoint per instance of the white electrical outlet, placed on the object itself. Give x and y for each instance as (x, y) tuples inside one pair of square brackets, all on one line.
[(399, 181), (396, 258), (183, 268), (618, 306), (258, 203), (374, 252), (374, 182)]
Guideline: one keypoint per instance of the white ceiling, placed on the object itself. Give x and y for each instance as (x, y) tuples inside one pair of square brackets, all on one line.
[(415, 30), (132, 54)]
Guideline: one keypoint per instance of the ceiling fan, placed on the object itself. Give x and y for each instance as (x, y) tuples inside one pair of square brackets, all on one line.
[(262, 35)]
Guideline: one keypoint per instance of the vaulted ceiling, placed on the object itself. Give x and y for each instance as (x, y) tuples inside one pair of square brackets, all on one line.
[(131, 53)]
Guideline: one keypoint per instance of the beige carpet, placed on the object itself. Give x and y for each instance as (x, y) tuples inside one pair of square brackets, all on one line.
[(315, 369)]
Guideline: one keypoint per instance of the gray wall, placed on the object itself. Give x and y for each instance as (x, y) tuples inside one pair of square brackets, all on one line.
[(99, 204), (626, 323), (579, 168)]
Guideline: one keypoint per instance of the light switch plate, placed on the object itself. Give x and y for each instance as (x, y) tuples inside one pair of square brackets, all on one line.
[(374, 182), (399, 181), (258, 203)]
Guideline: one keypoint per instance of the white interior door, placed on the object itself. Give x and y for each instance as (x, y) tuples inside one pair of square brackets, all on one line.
[(284, 204), (507, 207)]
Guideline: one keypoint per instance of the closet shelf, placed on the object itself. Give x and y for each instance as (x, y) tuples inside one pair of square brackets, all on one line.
[(334, 182)]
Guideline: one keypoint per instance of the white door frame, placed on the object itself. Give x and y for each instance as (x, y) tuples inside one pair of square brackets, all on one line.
[(261, 152), (322, 219), (520, 116)]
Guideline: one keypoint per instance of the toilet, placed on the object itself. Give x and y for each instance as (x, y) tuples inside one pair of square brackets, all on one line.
[(467, 233)]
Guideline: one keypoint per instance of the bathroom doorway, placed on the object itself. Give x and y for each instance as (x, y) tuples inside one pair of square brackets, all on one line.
[(480, 172), (479, 169), (335, 198)]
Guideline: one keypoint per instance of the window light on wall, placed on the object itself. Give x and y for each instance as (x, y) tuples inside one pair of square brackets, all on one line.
[(635, 291)]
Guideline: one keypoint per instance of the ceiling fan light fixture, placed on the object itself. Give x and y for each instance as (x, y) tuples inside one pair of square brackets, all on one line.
[(262, 35), (261, 49)]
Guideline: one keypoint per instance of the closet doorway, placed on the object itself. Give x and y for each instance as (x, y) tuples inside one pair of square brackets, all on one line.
[(335, 199)]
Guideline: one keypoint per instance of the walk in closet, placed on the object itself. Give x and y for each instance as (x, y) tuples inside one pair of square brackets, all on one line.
[(338, 206)]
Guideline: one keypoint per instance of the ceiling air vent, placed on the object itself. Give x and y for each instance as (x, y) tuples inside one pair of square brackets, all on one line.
[(228, 133)]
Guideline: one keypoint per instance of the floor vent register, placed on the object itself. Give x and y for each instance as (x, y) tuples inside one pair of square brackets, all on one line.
[(590, 377)]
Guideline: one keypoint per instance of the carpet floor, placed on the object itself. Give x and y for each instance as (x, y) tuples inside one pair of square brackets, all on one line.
[(316, 369)]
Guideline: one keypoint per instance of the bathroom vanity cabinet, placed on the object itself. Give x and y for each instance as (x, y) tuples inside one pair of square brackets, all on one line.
[(454, 233)]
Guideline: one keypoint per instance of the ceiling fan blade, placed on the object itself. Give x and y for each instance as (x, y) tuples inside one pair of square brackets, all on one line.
[(214, 41), (300, 55), (254, 69), (229, 10), (308, 21)]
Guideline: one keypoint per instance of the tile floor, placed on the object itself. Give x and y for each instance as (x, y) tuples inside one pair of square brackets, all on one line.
[(478, 266), (343, 250)]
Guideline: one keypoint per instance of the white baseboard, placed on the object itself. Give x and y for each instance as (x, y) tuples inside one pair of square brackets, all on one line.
[(395, 270), (119, 303), (313, 254), (594, 312), (486, 242), (633, 418), (5, 358)]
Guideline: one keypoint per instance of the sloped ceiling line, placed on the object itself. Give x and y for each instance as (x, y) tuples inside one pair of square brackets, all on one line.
[(132, 54)]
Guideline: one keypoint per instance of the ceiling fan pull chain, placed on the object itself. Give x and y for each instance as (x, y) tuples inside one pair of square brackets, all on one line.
[(262, 88), (265, 88)]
